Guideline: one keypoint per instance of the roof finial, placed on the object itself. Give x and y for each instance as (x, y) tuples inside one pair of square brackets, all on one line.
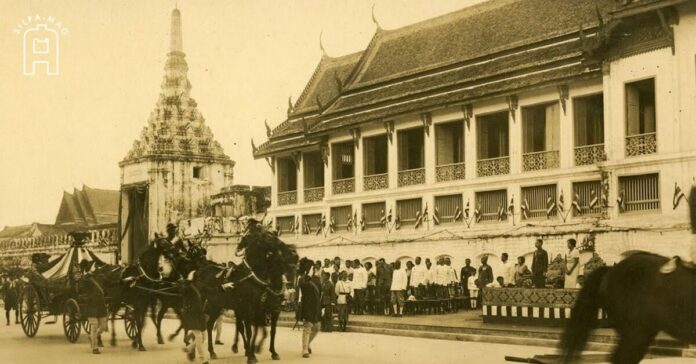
[(176, 43), (321, 44), (374, 18)]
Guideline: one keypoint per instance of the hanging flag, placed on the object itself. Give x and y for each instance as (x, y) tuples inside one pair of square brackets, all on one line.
[(511, 206), (305, 227), (349, 223), (419, 219), (477, 213), (332, 225), (678, 195), (397, 223), (621, 202), (593, 199), (436, 216), (320, 226), (576, 204), (524, 209), (501, 213), (550, 206), (457, 214), (296, 226), (561, 202), (425, 215), (362, 222), (389, 216), (383, 219), (466, 210), (355, 221)]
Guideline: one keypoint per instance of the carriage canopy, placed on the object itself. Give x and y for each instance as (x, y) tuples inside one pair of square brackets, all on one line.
[(62, 266)]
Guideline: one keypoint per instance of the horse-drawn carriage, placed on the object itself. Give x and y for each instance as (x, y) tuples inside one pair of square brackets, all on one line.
[(53, 289)]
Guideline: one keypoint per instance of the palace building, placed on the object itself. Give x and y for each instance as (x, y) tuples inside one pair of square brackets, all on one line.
[(476, 132)]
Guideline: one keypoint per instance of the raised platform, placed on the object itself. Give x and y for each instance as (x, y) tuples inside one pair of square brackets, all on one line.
[(530, 306)]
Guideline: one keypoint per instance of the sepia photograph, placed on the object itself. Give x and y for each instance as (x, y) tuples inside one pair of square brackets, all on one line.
[(348, 181)]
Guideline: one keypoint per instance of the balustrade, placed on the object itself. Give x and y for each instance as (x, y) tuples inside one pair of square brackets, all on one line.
[(536, 161), (412, 177), (493, 166), (641, 144)]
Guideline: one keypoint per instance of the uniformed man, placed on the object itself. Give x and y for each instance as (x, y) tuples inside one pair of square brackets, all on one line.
[(173, 238)]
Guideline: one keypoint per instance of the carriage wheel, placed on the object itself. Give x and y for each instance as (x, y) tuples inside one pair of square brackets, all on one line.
[(129, 323), (72, 320), (30, 310), (86, 326)]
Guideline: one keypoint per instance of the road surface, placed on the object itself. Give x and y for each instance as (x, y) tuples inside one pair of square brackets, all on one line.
[(50, 346)]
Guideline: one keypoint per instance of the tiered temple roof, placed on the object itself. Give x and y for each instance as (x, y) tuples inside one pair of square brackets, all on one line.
[(492, 49), (175, 128), (88, 207)]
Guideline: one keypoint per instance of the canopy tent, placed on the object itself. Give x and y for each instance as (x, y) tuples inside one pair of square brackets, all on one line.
[(63, 265)]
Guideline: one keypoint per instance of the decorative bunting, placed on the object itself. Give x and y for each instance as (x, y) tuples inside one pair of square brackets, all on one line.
[(678, 196), (419, 219), (501, 213), (457, 214), (296, 226), (576, 204), (321, 224), (350, 222), (305, 227), (593, 199), (550, 206), (524, 209), (621, 202)]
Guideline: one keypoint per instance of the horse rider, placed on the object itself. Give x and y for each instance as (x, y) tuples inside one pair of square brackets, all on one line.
[(174, 239)]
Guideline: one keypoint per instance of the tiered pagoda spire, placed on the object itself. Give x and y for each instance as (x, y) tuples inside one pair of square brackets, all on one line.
[(175, 128)]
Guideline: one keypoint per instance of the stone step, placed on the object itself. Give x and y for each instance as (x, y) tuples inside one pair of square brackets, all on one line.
[(542, 338)]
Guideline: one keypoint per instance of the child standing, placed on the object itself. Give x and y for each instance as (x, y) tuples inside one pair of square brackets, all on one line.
[(342, 293)]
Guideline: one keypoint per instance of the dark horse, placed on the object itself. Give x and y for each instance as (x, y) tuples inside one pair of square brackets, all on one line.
[(639, 300), (256, 281), (140, 284)]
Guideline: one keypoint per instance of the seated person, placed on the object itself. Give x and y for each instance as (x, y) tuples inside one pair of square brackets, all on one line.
[(499, 283), (554, 274), (523, 275)]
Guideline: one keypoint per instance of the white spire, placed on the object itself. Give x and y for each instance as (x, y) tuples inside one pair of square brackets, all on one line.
[(176, 43)]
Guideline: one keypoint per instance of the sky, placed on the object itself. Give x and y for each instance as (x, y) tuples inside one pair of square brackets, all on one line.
[(245, 57)]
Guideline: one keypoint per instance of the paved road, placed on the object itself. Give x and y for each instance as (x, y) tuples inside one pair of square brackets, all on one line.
[(50, 346)]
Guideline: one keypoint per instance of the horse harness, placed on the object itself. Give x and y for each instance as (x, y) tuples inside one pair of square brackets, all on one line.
[(252, 275)]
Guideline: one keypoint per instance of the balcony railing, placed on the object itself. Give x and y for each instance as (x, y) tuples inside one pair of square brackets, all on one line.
[(346, 185), (540, 160), (287, 198), (493, 166), (411, 177), (641, 144), (376, 182), (314, 194), (589, 154), (450, 172)]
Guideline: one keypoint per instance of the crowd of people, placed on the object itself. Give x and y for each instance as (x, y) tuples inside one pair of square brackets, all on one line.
[(349, 286)]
